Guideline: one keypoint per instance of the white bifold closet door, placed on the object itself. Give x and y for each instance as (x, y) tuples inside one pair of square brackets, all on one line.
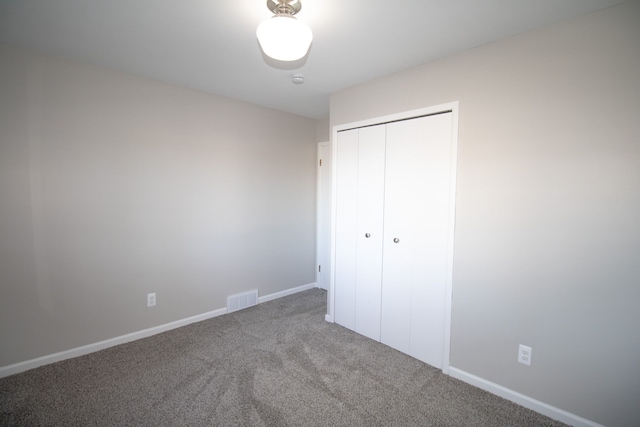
[(392, 218), (369, 234), (359, 229), (416, 212)]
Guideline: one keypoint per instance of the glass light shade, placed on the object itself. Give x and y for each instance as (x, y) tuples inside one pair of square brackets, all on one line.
[(284, 38)]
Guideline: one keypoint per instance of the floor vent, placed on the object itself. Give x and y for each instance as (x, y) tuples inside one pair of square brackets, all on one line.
[(240, 301)]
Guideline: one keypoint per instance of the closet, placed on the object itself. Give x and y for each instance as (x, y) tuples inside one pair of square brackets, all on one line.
[(393, 228)]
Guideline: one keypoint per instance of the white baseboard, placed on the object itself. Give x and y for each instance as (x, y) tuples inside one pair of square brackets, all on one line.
[(16, 368), (522, 400), (286, 292)]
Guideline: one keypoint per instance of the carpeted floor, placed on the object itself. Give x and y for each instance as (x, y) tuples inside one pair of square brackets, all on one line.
[(276, 364)]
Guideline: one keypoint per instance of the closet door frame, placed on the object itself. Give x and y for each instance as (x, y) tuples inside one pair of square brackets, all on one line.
[(453, 108)]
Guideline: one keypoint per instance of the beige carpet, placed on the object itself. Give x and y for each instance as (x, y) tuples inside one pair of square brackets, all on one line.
[(276, 364)]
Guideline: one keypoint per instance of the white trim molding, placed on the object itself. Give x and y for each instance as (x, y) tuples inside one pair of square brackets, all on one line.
[(522, 400), (16, 368), (286, 292)]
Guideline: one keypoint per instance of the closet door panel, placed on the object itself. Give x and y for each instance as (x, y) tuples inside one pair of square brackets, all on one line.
[(430, 254), (416, 213), (345, 228), (399, 236), (371, 164)]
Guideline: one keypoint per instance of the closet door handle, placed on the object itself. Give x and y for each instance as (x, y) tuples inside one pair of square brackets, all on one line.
[(367, 235), (396, 240)]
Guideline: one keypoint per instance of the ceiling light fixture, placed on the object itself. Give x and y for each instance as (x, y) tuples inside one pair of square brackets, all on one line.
[(282, 36)]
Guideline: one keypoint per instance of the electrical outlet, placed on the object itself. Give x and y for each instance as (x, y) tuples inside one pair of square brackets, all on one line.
[(151, 299), (524, 355)]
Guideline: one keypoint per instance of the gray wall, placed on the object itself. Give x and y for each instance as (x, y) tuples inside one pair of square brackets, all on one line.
[(113, 186), (547, 245), (323, 130)]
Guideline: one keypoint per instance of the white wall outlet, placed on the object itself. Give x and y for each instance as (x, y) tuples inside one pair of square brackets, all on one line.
[(524, 355), (151, 299)]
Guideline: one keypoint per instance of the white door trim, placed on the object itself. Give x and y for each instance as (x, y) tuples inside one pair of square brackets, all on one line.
[(453, 107), (323, 253)]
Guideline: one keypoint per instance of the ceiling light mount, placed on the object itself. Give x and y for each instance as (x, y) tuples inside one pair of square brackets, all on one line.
[(283, 37), (286, 7)]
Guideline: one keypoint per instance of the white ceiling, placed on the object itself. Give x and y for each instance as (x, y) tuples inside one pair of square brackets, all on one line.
[(211, 44)]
